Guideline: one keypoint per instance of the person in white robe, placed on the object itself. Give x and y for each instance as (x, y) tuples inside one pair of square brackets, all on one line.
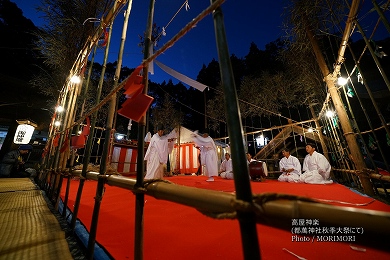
[(208, 154), (250, 159), (156, 155), (290, 167), (226, 168), (316, 168)]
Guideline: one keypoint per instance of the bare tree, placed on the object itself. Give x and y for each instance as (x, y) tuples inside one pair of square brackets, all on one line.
[(166, 114), (68, 24)]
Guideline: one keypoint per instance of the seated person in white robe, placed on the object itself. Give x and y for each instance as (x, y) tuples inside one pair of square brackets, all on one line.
[(250, 159), (316, 168), (226, 168), (290, 167), (157, 153)]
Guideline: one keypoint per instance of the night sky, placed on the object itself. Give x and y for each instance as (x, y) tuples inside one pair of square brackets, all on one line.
[(246, 21)]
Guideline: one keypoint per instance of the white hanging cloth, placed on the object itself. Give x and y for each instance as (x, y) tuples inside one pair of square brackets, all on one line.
[(181, 77)]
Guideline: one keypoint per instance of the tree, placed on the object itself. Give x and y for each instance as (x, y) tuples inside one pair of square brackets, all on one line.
[(165, 114), (67, 28), (18, 64)]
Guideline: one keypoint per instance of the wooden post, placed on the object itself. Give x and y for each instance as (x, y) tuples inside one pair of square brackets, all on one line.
[(330, 79)]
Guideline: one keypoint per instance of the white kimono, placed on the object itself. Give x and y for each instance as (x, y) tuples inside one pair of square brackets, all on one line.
[(291, 162), (316, 169), (208, 154), (157, 155), (226, 169)]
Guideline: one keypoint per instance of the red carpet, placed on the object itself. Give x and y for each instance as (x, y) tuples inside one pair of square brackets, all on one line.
[(173, 231)]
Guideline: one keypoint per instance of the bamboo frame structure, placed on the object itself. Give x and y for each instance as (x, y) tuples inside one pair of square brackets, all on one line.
[(269, 209)]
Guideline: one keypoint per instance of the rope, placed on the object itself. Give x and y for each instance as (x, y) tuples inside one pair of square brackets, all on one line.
[(169, 44), (174, 16), (257, 204)]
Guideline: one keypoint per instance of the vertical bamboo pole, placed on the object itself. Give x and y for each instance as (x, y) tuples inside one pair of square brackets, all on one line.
[(330, 79), (65, 154), (140, 197), (246, 220), (320, 135), (91, 133), (58, 156), (88, 146), (107, 143), (381, 14), (381, 117), (375, 58)]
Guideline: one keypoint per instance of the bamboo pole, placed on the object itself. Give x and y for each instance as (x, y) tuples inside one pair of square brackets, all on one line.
[(320, 135), (89, 144), (381, 14), (85, 91), (367, 116), (139, 197), (249, 238), (374, 57), (278, 210), (107, 143), (330, 79)]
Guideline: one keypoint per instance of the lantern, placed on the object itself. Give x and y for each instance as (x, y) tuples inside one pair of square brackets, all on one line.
[(24, 132)]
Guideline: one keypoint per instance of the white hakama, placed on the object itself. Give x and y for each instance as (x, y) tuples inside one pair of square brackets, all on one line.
[(208, 154), (316, 169), (226, 169), (157, 155), (291, 162)]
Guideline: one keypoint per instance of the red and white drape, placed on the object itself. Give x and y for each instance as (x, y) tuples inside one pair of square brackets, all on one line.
[(124, 159)]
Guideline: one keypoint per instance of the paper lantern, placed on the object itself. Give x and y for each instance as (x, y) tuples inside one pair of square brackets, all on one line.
[(23, 134)]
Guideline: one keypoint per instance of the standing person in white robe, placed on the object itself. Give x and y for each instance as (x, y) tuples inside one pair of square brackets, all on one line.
[(208, 154), (226, 168), (157, 153), (290, 167), (316, 168)]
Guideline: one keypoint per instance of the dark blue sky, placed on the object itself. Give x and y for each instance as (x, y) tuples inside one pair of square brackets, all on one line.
[(246, 21)]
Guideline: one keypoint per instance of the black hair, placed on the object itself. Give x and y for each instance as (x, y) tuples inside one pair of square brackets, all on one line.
[(311, 144)]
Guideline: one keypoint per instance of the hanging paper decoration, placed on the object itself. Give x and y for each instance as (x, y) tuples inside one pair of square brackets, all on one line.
[(79, 141), (135, 108), (187, 5), (137, 103), (105, 37), (378, 50), (371, 142), (56, 140), (350, 92), (359, 76), (23, 134), (181, 77)]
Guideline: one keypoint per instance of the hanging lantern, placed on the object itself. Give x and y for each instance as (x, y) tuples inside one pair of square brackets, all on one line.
[(24, 132)]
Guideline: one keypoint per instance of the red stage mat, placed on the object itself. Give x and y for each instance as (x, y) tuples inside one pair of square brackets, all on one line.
[(173, 231)]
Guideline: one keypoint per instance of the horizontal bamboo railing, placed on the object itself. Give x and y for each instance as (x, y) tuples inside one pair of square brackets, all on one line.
[(271, 209)]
